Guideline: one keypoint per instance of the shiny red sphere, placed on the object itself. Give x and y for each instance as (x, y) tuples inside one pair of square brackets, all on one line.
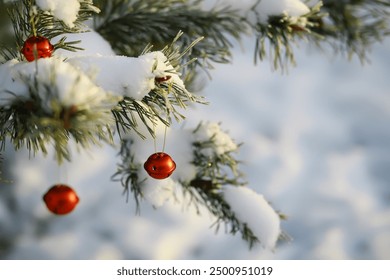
[(37, 47), (61, 199), (160, 166)]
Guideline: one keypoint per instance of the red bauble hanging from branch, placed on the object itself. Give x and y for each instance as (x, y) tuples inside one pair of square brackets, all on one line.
[(160, 166), (61, 199), (37, 47)]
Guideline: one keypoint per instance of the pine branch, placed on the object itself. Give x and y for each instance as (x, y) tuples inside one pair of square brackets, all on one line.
[(280, 34), (165, 100), (38, 119), (127, 174), (216, 167), (28, 121), (126, 24), (354, 25), (214, 170), (350, 26), (126, 113)]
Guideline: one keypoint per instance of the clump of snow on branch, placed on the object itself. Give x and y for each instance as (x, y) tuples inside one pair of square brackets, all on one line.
[(72, 86), (66, 12), (10, 84), (164, 69), (121, 75), (219, 141), (252, 209), (290, 8), (126, 76)]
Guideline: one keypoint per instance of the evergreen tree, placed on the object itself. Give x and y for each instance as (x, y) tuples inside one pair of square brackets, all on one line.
[(55, 95)]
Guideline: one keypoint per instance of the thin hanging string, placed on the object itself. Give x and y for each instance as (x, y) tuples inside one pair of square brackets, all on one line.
[(165, 135), (154, 138), (62, 174), (34, 33), (167, 117), (165, 128), (65, 173), (58, 175), (32, 22)]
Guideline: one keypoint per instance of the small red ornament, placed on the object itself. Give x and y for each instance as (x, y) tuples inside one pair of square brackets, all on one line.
[(159, 166), (37, 47), (162, 79), (61, 199)]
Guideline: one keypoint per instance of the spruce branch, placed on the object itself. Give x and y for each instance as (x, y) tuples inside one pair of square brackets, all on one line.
[(354, 25), (126, 112), (276, 38), (165, 100), (39, 118), (128, 173), (128, 23), (350, 26), (215, 170), (203, 190)]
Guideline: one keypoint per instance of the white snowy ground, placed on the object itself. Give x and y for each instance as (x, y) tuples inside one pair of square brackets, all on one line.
[(316, 144)]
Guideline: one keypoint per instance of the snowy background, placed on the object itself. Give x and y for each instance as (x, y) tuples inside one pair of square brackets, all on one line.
[(316, 145)]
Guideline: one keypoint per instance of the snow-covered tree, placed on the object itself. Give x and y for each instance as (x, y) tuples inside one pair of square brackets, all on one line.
[(126, 74)]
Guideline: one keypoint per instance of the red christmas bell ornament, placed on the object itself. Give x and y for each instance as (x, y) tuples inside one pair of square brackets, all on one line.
[(61, 199), (37, 47), (160, 166)]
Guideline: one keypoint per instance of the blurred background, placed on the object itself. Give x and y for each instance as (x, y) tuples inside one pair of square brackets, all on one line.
[(316, 144)]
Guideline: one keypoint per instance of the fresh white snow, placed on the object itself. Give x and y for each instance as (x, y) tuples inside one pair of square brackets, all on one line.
[(73, 87), (67, 13), (252, 209)]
